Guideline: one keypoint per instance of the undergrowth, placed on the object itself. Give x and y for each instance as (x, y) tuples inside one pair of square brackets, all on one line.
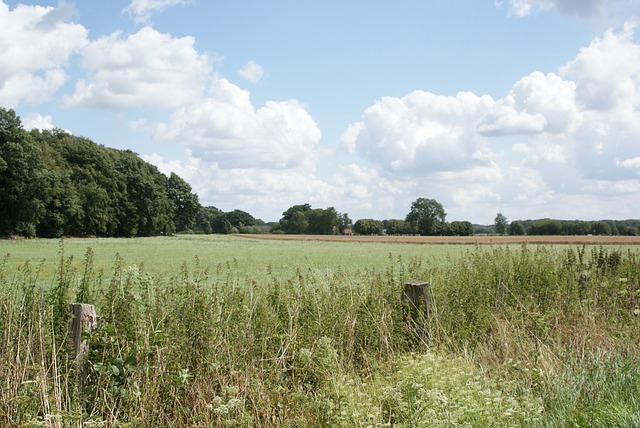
[(514, 337)]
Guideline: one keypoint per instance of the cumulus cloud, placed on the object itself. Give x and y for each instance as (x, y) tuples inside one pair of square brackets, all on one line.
[(226, 129), (536, 103), (37, 121), (36, 44), (572, 132), (420, 133), (252, 72), (142, 10), (251, 189), (142, 70)]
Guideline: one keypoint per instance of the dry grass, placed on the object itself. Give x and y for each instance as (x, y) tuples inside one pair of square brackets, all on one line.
[(463, 240)]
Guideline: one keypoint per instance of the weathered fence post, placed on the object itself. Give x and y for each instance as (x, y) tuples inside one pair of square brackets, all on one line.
[(84, 320), (416, 302)]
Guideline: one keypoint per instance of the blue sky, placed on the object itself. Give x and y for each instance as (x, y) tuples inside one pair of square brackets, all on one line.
[(525, 107)]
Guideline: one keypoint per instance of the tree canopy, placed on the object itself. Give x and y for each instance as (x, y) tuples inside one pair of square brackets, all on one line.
[(56, 184), (427, 216)]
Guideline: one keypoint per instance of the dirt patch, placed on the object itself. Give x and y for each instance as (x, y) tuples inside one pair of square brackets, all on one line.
[(466, 240)]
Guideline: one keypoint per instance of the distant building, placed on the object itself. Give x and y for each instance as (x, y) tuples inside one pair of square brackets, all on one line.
[(347, 232)]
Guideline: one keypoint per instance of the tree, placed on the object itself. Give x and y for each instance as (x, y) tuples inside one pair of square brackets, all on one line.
[(501, 224), (426, 216), (517, 228), (397, 227), (368, 226), (298, 223), (185, 203), (287, 217), (461, 228), (25, 185), (323, 221), (344, 222)]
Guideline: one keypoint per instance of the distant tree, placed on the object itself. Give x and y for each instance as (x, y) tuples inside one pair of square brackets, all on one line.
[(287, 217), (239, 218), (601, 228), (427, 216), (397, 227), (545, 227), (517, 228), (323, 221), (368, 226), (500, 223), (461, 228), (299, 223), (344, 222)]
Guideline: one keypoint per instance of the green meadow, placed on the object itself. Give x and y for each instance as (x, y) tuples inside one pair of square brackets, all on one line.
[(234, 331), (164, 256)]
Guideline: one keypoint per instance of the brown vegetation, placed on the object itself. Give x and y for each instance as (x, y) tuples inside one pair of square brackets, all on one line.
[(473, 240)]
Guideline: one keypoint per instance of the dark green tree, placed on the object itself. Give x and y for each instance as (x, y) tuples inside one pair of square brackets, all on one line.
[(299, 223), (368, 226), (500, 223), (461, 228), (287, 217), (25, 185), (397, 227), (344, 222), (323, 221), (517, 228), (185, 203), (427, 216)]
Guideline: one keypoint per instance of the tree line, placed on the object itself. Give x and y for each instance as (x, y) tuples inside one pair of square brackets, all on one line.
[(549, 226), (56, 184)]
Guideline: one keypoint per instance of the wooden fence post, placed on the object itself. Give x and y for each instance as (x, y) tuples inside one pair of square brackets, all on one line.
[(84, 320), (416, 301)]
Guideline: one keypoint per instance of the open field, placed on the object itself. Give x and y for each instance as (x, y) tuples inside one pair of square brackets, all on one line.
[(252, 332)]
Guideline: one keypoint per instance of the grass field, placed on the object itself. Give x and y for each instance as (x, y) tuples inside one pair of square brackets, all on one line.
[(251, 331)]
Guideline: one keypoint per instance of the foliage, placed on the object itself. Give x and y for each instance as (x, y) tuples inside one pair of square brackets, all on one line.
[(458, 228), (368, 226), (517, 228), (25, 186), (427, 216), (300, 219), (397, 227), (54, 184), (185, 203), (500, 223)]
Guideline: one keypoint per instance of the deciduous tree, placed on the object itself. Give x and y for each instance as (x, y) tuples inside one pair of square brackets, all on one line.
[(426, 216)]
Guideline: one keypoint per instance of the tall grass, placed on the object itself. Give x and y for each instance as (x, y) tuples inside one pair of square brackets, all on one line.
[(516, 337)]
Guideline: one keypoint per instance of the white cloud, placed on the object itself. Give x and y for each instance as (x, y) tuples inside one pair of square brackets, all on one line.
[(36, 44), (251, 189), (607, 71), (554, 137), (608, 10), (37, 121), (226, 129), (147, 69), (252, 72), (143, 9), (536, 103), (420, 133)]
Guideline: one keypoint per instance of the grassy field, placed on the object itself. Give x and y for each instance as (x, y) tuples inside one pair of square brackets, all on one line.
[(252, 255), (246, 331)]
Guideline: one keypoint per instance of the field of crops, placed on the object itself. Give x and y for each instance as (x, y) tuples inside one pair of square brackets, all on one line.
[(246, 331)]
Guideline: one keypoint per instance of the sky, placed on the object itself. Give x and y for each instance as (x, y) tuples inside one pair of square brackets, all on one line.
[(530, 108)]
